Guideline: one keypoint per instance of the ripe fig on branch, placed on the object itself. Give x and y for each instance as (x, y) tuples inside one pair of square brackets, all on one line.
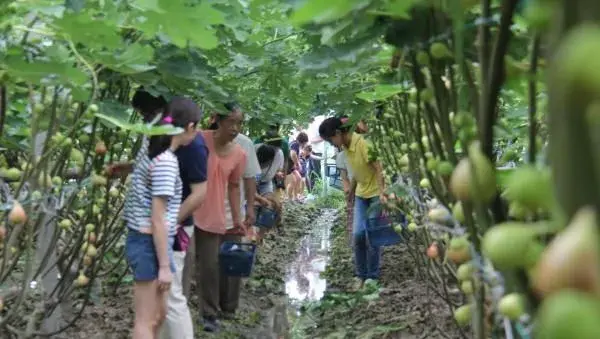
[(572, 259), (17, 214)]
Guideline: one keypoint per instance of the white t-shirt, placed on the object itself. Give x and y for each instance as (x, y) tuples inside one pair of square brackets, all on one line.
[(342, 163), (251, 170), (269, 172)]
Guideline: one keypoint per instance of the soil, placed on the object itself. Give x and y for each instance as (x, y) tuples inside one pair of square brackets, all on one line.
[(401, 306), (406, 307), (263, 305)]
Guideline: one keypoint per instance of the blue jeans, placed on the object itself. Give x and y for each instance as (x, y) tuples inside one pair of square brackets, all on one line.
[(263, 188), (366, 257), (141, 255)]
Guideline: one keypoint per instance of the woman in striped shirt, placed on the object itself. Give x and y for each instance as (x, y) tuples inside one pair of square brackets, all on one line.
[(151, 210)]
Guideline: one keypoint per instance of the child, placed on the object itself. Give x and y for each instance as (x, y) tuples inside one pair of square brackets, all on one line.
[(151, 211)]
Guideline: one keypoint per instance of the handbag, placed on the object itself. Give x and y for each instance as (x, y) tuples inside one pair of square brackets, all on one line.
[(182, 240)]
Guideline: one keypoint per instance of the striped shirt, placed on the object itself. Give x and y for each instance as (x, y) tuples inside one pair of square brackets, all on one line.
[(158, 177)]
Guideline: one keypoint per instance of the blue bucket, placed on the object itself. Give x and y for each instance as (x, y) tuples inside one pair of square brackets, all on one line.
[(380, 230), (236, 259), (265, 217)]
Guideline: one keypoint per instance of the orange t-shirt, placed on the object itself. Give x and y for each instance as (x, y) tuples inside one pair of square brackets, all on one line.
[(210, 216)]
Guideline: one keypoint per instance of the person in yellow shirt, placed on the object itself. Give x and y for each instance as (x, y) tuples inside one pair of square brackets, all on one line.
[(368, 187)]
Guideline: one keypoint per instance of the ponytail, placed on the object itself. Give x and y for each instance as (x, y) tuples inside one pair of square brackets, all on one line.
[(181, 112)]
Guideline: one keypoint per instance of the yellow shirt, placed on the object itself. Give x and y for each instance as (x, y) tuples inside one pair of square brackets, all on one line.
[(364, 173)]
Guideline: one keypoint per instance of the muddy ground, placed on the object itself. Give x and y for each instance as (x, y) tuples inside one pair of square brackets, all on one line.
[(404, 308), (263, 302)]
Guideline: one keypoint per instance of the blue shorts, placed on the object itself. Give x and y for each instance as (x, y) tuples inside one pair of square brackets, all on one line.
[(141, 255), (264, 188)]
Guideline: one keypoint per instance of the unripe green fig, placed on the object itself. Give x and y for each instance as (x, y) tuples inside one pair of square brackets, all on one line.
[(529, 187), (576, 60), (403, 161), (77, 156), (539, 13), (463, 315), (512, 306), (439, 215), (445, 168), (12, 174), (467, 287), (439, 50), (457, 212), (506, 244), (568, 314), (45, 180), (423, 58), (465, 271), (65, 224)]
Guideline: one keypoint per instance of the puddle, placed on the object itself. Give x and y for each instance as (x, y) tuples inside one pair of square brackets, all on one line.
[(303, 278)]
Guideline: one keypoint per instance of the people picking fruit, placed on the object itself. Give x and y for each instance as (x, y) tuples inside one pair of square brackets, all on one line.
[(368, 187)]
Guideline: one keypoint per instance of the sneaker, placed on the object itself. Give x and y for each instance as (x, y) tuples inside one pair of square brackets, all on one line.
[(210, 324), (228, 315), (372, 283), (357, 284)]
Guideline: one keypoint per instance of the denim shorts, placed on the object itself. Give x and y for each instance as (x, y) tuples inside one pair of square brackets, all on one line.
[(141, 255), (264, 187)]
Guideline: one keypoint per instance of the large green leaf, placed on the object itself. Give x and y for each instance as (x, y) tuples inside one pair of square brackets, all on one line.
[(46, 72), (135, 58), (320, 11), (182, 24), (381, 92), (145, 129), (83, 28)]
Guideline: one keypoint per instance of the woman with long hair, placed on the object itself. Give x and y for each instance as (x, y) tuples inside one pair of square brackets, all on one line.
[(151, 211)]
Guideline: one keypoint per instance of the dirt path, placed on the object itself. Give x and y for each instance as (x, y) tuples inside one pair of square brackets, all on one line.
[(263, 303), (403, 308)]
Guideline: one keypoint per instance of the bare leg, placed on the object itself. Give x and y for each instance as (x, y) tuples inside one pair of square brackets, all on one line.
[(146, 305)]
